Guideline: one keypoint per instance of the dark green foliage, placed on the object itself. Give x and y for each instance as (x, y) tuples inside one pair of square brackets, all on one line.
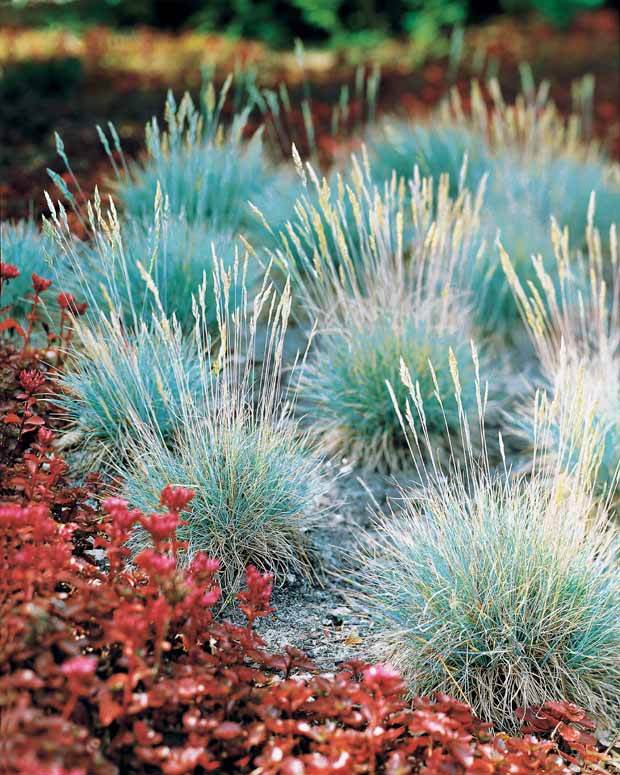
[(39, 78), (280, 22), (560, 12)]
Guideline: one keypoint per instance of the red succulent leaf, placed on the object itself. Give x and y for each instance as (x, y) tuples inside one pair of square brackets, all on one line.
[(10, 324)]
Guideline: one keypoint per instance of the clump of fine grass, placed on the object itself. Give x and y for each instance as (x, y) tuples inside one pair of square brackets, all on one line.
[(497, 588), (256, 477), (437, 149), (137, 268), (344, 387), (206, 173), (167, 253), (118, 380), (572, 317), (376, 275), (118, 373), (31, 251), (529, 156)]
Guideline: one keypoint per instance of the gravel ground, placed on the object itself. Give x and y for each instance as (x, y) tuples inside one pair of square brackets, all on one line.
[(316, 617)]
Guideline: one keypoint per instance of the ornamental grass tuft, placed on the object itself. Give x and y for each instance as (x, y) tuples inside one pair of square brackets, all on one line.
[(573, 323), (117, 381), (527, 156), (378, 283), (207, 173), (257, 478), (497, 588), (135, 269)]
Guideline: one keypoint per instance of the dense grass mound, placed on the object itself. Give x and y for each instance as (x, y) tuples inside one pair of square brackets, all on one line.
[(502, 590), (345, 385), (32, 252), (137, 268), (437, 149), (117, 382), (256, 477), (256, 494), (170, 254), (500, 597), (376, 273), (205, 174), (573, 323), (528, 157)]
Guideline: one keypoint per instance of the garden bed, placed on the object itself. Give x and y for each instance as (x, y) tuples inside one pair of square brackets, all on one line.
[(309, 447)]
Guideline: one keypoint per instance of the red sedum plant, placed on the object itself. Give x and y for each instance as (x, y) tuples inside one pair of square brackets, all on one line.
[(107, 667)]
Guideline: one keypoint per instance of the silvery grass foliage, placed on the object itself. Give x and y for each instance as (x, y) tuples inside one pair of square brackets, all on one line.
[(529, 156), (137, 268), (118, 380), (24, 246), (165, 252), (258, 480), (532, 127), (572, 314), (118, 373), (436, 149), (207, 173), (377, 299), (498, 588)]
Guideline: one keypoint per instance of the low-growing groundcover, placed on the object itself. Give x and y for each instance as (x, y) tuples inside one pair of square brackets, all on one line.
[(109, 667), (157, 684)]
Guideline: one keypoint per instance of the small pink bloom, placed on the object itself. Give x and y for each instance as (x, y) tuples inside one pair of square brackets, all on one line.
[(79, 667), (31, 380), (45, 436), (68, 302), (40, 284), (176, 498), (8, 271)]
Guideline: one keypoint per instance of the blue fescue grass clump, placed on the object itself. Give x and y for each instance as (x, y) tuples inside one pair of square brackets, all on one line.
[(521, 200), (345, 394), (117, 380), (529, 158), (138, 268), (436, 149), (25, 247), (205, 173), (256, 494), (169, 254), (519, 204), (573, 324), (344, 231), (567, 443), (257, 477), (500, 596), (376, 274), (499, 588)]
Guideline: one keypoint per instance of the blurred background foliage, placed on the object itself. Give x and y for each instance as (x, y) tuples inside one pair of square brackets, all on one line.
[(279, 22)]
